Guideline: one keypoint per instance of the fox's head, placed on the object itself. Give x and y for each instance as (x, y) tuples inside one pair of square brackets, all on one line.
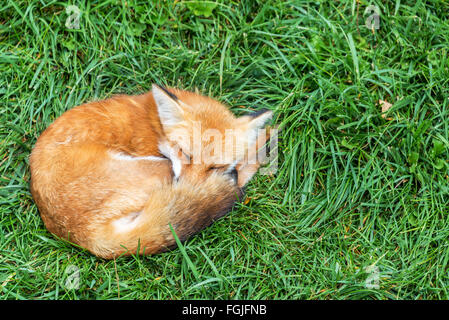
[(209, 135)]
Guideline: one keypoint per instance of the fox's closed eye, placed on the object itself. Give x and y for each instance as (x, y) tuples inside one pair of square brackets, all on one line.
[(217, 168)]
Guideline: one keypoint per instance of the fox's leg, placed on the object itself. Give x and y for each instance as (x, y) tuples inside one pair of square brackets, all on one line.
[(187, 205)]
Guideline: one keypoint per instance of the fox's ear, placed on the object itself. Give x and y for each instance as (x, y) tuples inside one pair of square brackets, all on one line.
[(169, 110), (256, 121), (256, 156), (259, 119)]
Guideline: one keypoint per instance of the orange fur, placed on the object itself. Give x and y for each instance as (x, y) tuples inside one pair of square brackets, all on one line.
[(96, 183)]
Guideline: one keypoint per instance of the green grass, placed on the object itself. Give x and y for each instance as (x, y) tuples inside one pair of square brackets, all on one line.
[(354, 189)]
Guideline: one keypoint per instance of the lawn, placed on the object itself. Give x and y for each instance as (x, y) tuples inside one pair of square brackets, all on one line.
[(359, 206)]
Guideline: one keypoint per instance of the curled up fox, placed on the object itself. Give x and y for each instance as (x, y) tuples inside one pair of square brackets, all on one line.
[(112, 176)]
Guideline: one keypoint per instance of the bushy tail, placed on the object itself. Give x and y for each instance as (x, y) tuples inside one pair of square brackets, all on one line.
[(186, 205)]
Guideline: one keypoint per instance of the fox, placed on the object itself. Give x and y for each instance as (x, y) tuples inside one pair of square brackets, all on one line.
[(121, 176)]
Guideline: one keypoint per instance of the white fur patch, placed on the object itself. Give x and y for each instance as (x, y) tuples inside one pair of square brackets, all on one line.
[(127, 223), (127, 157), (168, 151)]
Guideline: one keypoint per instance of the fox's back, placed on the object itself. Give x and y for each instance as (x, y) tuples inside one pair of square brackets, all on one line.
[(98, 155)]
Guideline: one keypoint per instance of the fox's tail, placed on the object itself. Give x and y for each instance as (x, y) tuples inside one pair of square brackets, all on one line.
[(186, 205)]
